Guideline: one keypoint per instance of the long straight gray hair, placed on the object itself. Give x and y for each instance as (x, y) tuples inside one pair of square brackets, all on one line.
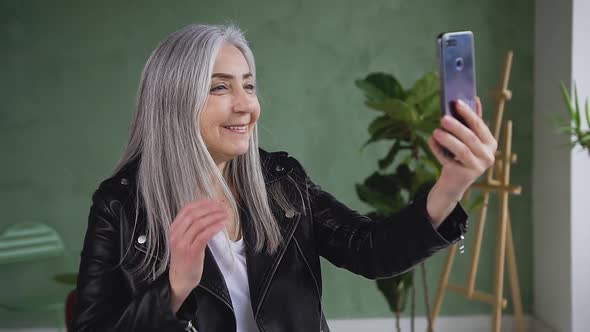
[(175, 166)]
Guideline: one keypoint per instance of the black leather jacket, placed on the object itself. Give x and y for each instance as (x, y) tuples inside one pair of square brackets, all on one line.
[(285, 288)]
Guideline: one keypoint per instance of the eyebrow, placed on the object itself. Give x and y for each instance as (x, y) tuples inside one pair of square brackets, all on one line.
[(229, 77)]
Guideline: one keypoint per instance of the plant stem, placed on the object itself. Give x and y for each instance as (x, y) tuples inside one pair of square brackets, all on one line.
[(398, 310), (426, 300)]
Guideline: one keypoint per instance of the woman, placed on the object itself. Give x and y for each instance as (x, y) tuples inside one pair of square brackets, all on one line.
[(200, 230)]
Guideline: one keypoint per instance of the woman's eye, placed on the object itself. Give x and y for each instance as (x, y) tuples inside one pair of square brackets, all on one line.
[(250, 87), (218, 88)]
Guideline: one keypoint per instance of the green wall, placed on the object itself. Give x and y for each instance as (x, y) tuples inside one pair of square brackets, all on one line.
[(69, 72)]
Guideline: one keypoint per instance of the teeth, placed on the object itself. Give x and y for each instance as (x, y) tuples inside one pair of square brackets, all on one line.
[(237, 128)]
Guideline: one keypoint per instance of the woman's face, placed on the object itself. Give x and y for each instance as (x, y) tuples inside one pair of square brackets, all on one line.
[(232, 108)]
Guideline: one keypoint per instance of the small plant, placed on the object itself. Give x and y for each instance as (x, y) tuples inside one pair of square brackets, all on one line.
[(574, 125)]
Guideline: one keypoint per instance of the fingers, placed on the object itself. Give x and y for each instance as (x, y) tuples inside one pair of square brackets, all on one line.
[(196, 209), (476, 123), (201, 239), (461, 151), (199, 225), (189, 233), (438, 152), (478, 108), (465, 135)]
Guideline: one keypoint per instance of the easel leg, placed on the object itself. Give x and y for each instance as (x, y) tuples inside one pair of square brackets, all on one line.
[(477, 245), (514, 282), (500, 260), (444, 281), (502, 226)]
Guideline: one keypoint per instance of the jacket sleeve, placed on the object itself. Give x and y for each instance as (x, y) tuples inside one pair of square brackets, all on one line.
[(380, 248), (103, 302)]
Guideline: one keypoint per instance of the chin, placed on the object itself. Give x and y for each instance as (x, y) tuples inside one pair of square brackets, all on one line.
[(234, 152)]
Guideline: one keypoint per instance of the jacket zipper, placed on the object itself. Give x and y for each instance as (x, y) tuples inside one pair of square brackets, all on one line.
[(189, 327), (462, 239)]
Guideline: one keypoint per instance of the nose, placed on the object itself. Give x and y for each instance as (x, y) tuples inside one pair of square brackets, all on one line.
[(244, 102)]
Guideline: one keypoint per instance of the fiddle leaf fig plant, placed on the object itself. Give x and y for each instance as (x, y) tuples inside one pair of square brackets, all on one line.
[(406, 117)]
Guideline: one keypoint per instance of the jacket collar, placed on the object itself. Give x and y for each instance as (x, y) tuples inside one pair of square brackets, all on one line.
[(275, 165)]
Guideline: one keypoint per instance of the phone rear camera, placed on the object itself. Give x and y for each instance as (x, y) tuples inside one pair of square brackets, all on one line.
[(451, 42), (459, 64)]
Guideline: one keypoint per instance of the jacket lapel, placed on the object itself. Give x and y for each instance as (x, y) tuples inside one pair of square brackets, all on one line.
[(261, 266), (212, 279)]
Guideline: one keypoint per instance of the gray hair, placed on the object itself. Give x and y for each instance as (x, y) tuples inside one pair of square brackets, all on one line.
[(175, 166)]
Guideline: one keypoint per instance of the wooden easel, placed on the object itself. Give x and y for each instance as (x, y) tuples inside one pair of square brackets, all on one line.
[(504, 241)]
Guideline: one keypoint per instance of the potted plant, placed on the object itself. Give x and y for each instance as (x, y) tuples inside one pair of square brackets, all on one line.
[(407, 118), (574, 125)]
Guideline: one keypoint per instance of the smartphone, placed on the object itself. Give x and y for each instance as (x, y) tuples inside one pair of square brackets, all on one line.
[(456, 59)]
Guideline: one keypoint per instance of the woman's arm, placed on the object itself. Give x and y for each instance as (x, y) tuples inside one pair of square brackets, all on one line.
[(434, 219), (103, 302), (380, 248)]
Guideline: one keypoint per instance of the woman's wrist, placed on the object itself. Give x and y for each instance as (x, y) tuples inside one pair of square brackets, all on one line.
[(177, 296), (440, 203)]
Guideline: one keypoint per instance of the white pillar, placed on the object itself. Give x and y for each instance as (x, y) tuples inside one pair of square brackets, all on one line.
[(561, 179)]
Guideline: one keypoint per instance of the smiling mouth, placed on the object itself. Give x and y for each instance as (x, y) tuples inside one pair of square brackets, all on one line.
[(241, 129)]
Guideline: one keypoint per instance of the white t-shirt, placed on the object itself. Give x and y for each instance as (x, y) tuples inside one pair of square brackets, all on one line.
[(236, 278)]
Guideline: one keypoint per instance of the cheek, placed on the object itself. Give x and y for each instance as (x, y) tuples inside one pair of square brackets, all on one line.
[(256, 113), (210, 121)]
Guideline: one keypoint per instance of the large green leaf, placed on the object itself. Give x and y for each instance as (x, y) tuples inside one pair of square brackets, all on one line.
[(396, 130), (385, 182), (427, 125), (378, 199), (426, 87), (385, 203), (383, 192), (378, 86), (429, 119), (380, 123), (430, 106), (396, 109)]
